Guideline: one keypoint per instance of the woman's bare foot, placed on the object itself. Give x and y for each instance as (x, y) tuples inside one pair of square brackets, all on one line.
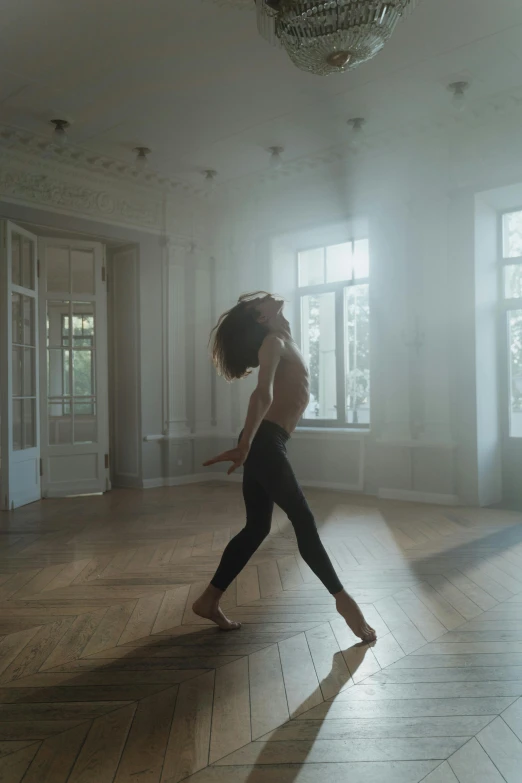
[(351, 612), (207, 606)]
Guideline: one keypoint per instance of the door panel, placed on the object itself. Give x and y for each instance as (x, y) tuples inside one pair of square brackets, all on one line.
[(19, 394), (74, 407)]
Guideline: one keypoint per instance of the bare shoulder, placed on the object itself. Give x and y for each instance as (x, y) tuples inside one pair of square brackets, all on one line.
[(271, 346)]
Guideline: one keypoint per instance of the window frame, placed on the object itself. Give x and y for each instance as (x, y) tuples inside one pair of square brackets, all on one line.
[(338, 288), (67, 343), (506, 305)]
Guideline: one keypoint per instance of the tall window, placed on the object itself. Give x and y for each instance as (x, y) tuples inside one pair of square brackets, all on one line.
[(333, 287), (512, 305)]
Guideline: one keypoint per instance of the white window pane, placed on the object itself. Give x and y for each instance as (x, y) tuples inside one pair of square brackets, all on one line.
[(29, 423), (27, 264), (83, 372), (58, 372), (58, 271), (28, 304), (29, 372), (16, 259), (82, 266), (60, 422), (361, 259), (339, 262), (83, 324), (513, 281), (318, 346), (17, 332), (311, 267), (57, 323), (17, 371), (17, 425), (85, 421), (512, 234), (515, 372), (357, 354)]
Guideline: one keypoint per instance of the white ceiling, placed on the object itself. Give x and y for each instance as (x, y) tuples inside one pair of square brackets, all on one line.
[(194, 81)]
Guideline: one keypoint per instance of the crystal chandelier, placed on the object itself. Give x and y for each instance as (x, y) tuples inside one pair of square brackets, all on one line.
[(330, 37)]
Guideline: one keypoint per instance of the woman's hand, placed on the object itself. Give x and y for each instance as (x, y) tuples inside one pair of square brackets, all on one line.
[(237, 456)]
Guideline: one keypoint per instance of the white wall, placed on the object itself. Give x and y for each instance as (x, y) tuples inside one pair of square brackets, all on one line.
[(489, 455), (434, 433)]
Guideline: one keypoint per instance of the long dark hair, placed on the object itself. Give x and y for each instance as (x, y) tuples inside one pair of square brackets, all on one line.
[(237, 338)]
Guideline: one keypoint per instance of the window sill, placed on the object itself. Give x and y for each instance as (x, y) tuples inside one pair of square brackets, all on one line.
[(336, 432)]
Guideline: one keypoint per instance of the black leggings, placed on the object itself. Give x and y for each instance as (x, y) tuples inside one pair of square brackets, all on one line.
[(267, 479)]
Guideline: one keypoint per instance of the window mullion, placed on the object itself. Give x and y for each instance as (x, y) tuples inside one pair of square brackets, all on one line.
[(339, 355)]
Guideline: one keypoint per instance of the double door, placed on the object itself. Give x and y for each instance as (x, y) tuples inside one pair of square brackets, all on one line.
[(53, 368)]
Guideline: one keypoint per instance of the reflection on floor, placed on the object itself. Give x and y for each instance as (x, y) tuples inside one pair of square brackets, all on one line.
[(106, 675)]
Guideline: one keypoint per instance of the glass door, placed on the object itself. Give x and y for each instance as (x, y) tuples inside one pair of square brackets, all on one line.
[(19, 398), (511, 350), (73, 378)]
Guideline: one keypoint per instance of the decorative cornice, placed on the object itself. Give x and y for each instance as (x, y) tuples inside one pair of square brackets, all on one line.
[(105, 204), (34, 170), (27, 145)]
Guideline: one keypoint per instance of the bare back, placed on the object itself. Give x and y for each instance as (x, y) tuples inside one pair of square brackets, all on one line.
[(291, 392)]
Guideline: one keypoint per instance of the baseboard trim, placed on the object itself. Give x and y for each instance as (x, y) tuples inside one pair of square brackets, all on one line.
[(410, 496), (177, 481), (331, 486), (237, 478), (431, 498)]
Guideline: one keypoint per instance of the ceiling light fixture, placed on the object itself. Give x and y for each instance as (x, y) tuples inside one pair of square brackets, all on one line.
[(459, 90), (276, 161), (356, 124), (330, 37), (60, 132), (210, 179), (141, 161)]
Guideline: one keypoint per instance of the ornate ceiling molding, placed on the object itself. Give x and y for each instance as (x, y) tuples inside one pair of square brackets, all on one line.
[(39, 148), (88, 200)]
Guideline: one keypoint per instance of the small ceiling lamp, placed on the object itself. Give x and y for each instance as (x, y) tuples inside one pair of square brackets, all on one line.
[(60, 132), (458, 90), (276, 161), (141, 161), (210, 179), (356, 124)]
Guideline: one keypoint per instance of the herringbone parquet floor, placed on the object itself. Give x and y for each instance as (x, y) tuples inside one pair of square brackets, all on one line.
[(106, 675)]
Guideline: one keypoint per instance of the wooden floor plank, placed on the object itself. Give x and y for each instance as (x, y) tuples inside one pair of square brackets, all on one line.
[(268, 704), (37, 650), (231, 712), (503, 748), (142, 618), (189, 741), (471, 764), (107, 675), (110, 628), (14, 766), (56, 756), (301, 683), (100, 755), (330, 666), (144, 751), (171, 609)]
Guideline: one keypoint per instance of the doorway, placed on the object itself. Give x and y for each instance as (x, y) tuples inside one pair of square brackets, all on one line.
[(54, 397), (511, 352)]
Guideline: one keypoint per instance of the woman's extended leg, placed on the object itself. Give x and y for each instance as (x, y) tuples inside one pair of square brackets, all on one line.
[(279, 482), (238, 552)]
